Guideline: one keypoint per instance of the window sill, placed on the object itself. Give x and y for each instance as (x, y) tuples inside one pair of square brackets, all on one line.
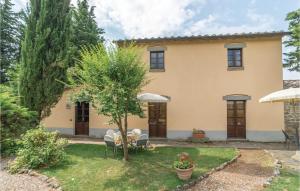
[(156, 70), (235, 68)]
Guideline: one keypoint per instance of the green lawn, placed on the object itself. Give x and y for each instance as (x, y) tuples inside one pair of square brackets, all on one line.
[(86, 168), (287, 181)]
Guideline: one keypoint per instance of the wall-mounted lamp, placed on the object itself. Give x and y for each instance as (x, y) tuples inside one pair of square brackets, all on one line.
[(68, 104)]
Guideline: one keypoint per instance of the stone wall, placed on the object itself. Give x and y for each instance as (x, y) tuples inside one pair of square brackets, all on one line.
[(291, 113)]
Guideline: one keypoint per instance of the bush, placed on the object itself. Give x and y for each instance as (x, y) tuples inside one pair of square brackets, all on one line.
[(9, 146), (15, 120), (39, 149)]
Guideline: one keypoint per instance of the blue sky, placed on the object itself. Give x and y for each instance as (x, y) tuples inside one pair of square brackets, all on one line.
[(152, 18)]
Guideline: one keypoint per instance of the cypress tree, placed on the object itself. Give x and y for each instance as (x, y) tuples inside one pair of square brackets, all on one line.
[(9, 38), (292, 60), (85, 31), (44, 54)]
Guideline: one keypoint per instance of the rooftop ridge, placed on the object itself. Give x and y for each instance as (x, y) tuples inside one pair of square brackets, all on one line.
[(207, 36)]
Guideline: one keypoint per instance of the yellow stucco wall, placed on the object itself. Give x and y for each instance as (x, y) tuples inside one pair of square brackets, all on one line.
[(196, 78)]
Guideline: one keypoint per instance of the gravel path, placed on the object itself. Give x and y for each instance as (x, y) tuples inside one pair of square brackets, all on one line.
[(248, 174), (19, 182), (285, 156)]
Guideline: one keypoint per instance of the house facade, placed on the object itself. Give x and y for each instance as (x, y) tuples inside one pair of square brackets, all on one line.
[(213, 83)]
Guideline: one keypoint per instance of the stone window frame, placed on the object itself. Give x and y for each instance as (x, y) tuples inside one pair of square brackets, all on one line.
[(240, 46), (157, 49)]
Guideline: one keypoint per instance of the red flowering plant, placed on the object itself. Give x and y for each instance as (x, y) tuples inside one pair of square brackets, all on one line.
[(184, 161)]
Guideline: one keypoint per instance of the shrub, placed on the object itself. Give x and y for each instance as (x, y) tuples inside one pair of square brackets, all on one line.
[(15, 120), (39, 149), (9, 146)]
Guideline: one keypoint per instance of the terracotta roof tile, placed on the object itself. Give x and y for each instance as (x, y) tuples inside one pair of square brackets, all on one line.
[(208, 37)]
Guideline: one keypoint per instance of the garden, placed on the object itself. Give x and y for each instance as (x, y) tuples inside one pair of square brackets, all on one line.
[(86, 168)]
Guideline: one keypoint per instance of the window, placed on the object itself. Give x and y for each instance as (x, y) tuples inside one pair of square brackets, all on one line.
[(234, 56), (157, 60)]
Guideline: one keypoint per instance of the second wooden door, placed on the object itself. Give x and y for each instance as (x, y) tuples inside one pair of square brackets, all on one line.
[(236, 119), (157, 119)]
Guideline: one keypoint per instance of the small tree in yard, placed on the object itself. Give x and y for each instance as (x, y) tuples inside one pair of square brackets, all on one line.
[(112, 78)]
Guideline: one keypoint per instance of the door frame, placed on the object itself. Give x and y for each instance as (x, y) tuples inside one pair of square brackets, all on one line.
[(245, 119), (166, 116), (75, 120)]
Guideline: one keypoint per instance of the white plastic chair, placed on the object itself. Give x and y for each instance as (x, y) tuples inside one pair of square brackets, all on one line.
[(141, 142), (110, 132), (110, 142), (137, 132), (108, 138), (143, 136)]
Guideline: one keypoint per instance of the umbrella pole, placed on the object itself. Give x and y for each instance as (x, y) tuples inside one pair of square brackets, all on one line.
[(297, 137), (296, 128)]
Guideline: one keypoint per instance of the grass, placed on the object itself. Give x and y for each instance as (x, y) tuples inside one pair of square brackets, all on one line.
[(86, 168), (287, 181)]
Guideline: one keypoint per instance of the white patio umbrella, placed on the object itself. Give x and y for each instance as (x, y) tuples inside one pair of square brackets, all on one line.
[(150, 97), (287, 95), (291, 95)]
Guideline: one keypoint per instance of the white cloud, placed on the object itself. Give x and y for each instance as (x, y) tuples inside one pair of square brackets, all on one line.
[(19, 4), (261, 19), (252, 2), (287, 75), (144, 18), (211, 25), (200, 25), (157, 18)]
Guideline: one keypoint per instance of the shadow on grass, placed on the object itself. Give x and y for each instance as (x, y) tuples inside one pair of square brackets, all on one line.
[(86, 167), (156, 172)]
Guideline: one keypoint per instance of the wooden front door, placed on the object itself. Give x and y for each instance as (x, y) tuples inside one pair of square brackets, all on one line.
[(236, 119), (157, 119), (82, 118)]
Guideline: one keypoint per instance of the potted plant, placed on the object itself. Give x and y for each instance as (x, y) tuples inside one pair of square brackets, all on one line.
[(199, 134), (184, 166)]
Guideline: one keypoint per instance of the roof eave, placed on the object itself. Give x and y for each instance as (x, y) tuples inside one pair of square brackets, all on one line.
[(206, 37)]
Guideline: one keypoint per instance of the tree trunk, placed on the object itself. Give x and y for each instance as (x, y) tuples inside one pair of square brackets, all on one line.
[(124, 138), (125, 144), (125, 148)]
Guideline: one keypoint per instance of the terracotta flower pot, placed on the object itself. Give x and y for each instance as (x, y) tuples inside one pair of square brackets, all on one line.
[(199, 135), (184, 174)]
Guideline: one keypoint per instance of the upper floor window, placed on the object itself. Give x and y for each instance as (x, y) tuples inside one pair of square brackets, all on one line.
[(234, 56), (157, 60)]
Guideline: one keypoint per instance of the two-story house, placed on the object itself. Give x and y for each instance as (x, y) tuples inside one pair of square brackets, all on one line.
[(212, 82)]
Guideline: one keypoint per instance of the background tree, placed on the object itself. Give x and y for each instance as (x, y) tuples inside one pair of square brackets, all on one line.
[(10, 37), (112, 78), (23, 18), (43, 55), (292, 60), (85, 31), (15, 120)]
